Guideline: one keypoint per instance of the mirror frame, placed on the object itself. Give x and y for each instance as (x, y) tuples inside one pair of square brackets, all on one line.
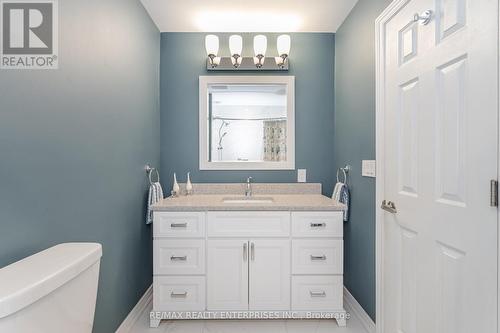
[(205, 164)]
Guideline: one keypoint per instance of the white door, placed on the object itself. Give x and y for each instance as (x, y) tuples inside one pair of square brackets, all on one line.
[(227, 275), (440, 153), (269, 275)]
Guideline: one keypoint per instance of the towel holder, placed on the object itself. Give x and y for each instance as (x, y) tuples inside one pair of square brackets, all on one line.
[(149, 170), (345, 171)]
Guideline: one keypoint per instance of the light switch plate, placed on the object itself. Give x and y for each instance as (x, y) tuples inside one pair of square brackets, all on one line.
[(369, 168), (301, 175)]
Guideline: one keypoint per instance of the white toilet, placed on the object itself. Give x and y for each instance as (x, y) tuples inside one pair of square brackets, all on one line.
[(52, 291)]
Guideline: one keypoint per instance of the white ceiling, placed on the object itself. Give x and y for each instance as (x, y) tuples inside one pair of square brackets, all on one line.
[(248, 15)]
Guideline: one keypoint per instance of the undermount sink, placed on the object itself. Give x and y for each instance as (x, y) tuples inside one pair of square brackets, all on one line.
[(251, 200)]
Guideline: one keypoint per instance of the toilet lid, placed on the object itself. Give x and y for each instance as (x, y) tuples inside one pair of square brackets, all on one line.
[(31, 278)]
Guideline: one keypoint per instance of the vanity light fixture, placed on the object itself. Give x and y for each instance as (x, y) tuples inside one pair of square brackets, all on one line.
[(283, 43), (236, 47), (236, 60), (212, 48), (260, 48)]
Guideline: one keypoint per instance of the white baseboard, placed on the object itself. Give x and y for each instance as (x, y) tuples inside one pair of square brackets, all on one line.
[(136, 312), (352, 306)]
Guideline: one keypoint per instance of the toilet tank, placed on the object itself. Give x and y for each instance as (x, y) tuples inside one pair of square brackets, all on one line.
[(51, 291)]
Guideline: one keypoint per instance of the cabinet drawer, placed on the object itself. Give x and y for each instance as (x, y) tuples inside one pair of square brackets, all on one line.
[(317, 293), (317, 256), (179, 293), (171, 256), (179, 224), (317, 224), (248, 224)]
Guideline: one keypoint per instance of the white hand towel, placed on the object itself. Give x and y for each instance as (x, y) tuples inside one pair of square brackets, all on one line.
[(155, 195), (336, 191), (341, 194), (345, 197)]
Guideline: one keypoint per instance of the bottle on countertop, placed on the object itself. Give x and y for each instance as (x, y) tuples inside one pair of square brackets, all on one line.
[(175, 189), (189, 185)]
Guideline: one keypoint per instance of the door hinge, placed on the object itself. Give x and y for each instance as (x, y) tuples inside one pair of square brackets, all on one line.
[(494, 193)]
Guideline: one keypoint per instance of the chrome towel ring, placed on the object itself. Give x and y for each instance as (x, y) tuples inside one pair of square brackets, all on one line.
[(345, 170), (150, 170)]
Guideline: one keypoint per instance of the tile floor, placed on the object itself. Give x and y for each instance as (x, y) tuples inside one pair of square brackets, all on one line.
[(248, 326)]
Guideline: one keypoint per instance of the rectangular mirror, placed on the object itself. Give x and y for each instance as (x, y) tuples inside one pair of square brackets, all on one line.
[(247, 123)]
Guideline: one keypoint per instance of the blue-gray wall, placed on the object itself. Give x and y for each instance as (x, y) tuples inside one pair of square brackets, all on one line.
[(354, 141), (73, 143), (312, 62)]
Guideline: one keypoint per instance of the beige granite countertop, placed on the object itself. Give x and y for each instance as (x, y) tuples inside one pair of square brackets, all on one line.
[(283, 202)]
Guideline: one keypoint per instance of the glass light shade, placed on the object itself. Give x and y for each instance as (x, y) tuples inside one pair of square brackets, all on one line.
[(235, 44), (283, 44), (212, 44), (260, 44)]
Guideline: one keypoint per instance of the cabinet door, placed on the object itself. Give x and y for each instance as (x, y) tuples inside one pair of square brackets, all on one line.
[(179, 293), (178, 257), (227, 275), (318, 256), (269, 274), (317, 293), (179, 224)]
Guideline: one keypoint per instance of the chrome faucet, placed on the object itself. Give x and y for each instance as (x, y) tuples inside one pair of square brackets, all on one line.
[(248, 191)]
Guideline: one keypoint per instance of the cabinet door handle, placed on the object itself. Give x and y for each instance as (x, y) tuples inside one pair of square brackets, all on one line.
[(245, 252), (252, 251), (177, 295), (318, 225), (323, 257), (178, 258), (178, 225), (317, 293)]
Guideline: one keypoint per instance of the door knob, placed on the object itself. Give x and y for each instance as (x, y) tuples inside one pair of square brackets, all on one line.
[(389, 206), (424, 18)]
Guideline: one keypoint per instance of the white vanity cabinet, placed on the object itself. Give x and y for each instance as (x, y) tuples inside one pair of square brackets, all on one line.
[(286, 262)]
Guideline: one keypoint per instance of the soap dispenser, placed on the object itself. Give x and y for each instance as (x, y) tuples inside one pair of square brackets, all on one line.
[(189, 186), (175, 188)]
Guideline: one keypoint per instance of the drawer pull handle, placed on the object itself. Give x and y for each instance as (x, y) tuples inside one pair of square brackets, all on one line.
[(245, 252), (177, 295), (318, 225), (176, 258), (323, 257), (178, 225), (317, 293)]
